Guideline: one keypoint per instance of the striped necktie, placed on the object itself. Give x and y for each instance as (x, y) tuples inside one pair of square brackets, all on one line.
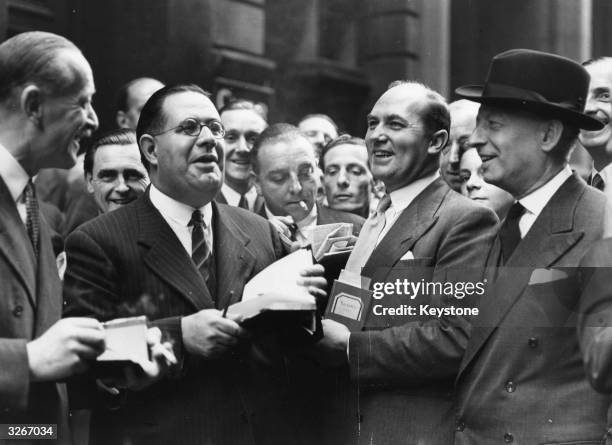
[(243, 203), (510, 233), (32, 216), (200, 249), (597, 182)]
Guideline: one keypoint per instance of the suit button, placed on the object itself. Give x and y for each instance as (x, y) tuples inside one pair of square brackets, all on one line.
[(508, 438), (510, 386), (460, 426), (18, 310), (532, 342)]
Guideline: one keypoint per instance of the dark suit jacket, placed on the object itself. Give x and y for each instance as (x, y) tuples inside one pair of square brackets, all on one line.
[(595, 315), (405, 366), (257, 208), (30, 303), (131, 259), (522, 378)]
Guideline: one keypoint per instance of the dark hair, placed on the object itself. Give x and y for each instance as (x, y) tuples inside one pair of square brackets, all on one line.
[(275, 133), (596, 60), (435, 114), (320, 116), (124, 92), (122, 136), (152, 117), (343, 139), (32, 57), (242, 104)]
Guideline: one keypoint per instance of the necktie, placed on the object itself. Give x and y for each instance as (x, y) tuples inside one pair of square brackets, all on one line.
[(510, 234), (597, 182), (200, 250), (368, 237), (243, 203), (293, 229), (32, 216)]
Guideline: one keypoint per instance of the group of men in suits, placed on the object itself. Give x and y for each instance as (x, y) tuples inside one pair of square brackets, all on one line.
[(180, 257)]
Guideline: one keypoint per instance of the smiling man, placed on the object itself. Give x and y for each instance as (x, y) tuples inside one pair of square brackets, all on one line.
[(180, 258), (599, 106), (114, 172), (243, 121), (285, 167), (422, 229)]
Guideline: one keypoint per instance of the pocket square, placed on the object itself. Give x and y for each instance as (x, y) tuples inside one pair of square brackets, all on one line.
[(540, 276), (407, 256)]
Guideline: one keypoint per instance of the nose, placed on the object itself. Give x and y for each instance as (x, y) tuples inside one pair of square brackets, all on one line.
[(375, 134), (241, 145), (121, 185), (206, 139), (343, 181), (477, 138), (295, 186), (92, 118)]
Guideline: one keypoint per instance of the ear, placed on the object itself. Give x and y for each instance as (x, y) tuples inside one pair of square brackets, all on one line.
[(437, 142), (31, 103), (550, 135), (88, 179), (148, 147), (122, 119)]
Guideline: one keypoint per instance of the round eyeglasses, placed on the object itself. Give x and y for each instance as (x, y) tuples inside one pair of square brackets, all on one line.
[(193, 127)]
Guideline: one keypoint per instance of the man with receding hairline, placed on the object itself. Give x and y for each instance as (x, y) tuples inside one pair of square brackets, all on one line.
[(405, 366), (132, 97)]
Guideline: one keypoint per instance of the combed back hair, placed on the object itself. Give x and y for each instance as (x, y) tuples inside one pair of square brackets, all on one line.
[(152, 119), (343, 139), (435, 114), (31, 57), (124, 93), (243, 104), (273, 134), (123, 136), (320, 116)]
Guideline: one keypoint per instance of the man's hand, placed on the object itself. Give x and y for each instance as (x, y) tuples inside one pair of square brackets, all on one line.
[(208, 334), (312, 278), (65, 348), (162, 358), (332, 349)]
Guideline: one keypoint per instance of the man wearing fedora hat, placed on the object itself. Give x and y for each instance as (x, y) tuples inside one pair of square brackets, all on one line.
[(521, 379)]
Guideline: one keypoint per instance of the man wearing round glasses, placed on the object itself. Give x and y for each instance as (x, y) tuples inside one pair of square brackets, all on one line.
[(179, 258), (243, 121)]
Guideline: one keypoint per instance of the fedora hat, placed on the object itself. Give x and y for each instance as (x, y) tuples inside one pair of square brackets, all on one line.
[(544, 83)]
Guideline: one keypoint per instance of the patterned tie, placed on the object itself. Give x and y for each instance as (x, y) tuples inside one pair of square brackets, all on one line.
[(293, 229), (200, 251), (32, 216), (368, 237), (510, 234), (597, 182), (243, 203)]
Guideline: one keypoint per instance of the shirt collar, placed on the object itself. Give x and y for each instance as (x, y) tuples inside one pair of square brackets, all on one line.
[(535, 201), (175, 210), (401, 198), (13, 174), (606, 174), (233, 197)]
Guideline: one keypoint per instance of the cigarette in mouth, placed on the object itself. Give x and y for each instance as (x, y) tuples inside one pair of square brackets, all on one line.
[(303, 205)]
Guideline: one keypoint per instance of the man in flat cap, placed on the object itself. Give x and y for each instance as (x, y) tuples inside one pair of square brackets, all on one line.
[(521, 379)]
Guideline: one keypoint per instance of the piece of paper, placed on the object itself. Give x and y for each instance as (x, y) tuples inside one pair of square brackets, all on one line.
[(281, 277), (126, 340)]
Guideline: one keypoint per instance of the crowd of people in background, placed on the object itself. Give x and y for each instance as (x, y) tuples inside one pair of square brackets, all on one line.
[(170, 213)]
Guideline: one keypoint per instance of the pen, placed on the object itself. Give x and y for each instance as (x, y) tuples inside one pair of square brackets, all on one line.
[(229, 301)]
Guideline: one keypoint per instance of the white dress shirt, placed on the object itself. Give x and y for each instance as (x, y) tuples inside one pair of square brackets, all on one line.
[(535, 201), (233, 197), (178, 215), (15, 178), (401, 199)]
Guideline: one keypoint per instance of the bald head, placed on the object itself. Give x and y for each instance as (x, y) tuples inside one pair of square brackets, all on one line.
[(132, 97)]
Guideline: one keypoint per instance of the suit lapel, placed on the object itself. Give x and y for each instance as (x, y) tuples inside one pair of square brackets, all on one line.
[(548, 239), (234, 260), (220, 198), (408, 228), (167, 258), (15, 244)]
